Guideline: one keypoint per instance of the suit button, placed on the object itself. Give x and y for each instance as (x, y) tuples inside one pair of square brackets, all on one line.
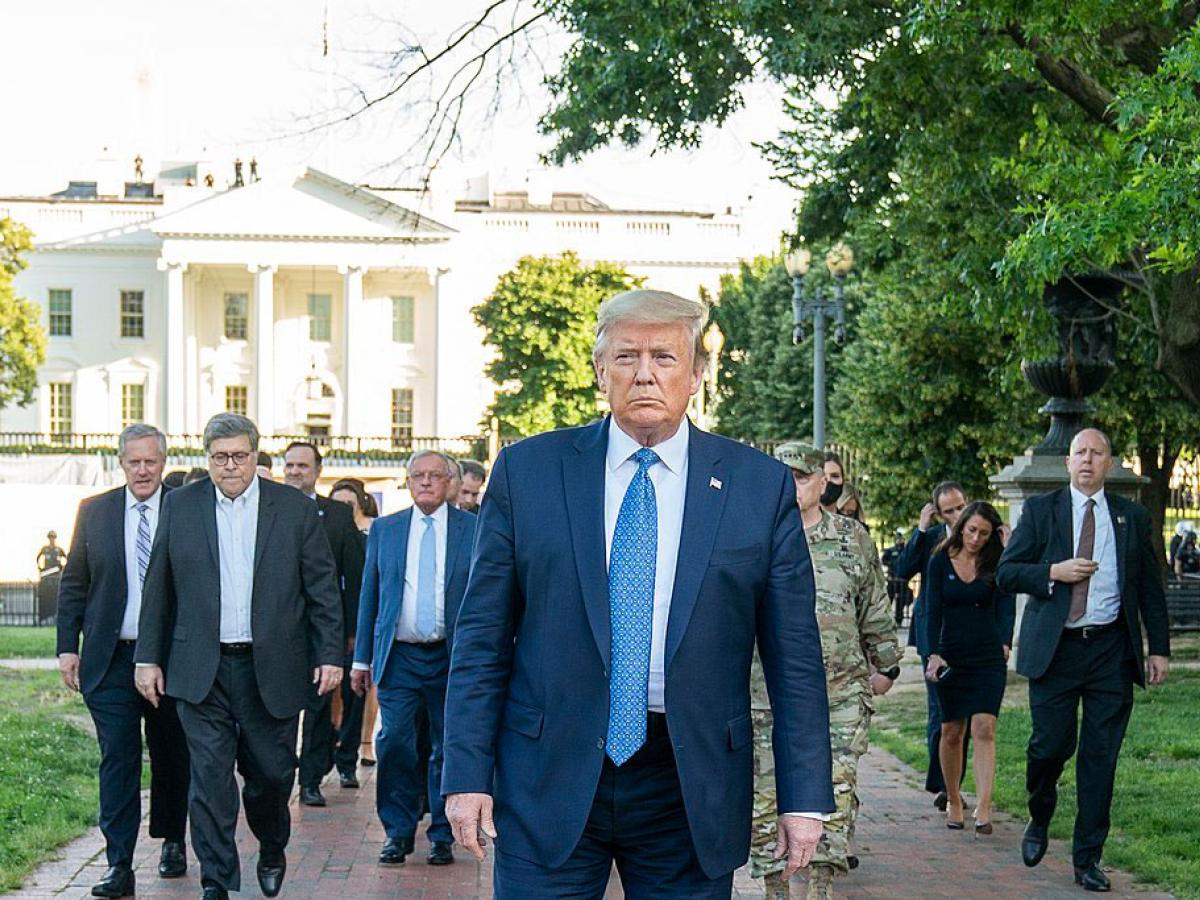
[(600, 744)]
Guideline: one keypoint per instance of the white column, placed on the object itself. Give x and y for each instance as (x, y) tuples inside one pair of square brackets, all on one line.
[(352, 299), (174, 348), (264, 348)]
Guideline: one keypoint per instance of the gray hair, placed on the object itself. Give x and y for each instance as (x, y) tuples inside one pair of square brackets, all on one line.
[(227, 425), (652, 308), (137, 431), (451, 465)]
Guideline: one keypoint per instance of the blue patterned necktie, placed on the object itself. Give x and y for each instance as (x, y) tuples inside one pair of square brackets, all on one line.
[(143, 543), (631, 611), (427, 582)]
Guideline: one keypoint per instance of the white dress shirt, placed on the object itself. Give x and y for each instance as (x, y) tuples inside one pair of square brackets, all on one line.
[(1104, 590), (406, 624), (133, 583), (670, 490), (237, 532)]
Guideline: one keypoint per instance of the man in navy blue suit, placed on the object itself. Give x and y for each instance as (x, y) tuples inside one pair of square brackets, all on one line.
[(412, 586), (100, 598), (949, 500), (598, 708)]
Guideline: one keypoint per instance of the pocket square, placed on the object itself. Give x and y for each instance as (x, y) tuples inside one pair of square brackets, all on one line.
[(714, 483)]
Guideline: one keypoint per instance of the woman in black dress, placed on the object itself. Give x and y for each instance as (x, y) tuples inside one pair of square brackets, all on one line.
[(970, 626)]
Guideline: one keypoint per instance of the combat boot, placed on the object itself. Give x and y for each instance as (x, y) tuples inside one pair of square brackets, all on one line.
[(820, 883), (776, 887)]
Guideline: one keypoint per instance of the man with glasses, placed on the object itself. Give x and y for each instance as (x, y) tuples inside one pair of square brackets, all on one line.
[(413, 582), (241, 615)]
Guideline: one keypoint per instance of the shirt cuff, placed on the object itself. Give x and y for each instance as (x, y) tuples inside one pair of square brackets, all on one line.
[(821, 817), (357, 666), (146, 665), (68, 653)]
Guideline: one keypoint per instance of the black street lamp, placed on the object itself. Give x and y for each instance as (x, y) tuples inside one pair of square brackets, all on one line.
[(818, 305)]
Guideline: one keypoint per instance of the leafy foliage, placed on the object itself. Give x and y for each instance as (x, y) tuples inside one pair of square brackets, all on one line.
[(22, 340), (540, 318)]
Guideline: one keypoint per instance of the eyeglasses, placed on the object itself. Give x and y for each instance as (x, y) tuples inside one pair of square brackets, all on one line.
[(427, 476), (223, 459)]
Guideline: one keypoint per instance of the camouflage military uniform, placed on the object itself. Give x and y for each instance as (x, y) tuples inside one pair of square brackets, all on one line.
[(857, 631)]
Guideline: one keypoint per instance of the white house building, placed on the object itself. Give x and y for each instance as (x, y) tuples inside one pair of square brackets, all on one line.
[(313, 305)]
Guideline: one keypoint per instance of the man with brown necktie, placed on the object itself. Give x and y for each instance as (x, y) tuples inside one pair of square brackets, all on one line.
[(1085, 561)]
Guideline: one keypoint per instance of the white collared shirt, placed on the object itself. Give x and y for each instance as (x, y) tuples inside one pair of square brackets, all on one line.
[(1104, 589), (133, 583), (670, 491), (237, 533), (406, 624)]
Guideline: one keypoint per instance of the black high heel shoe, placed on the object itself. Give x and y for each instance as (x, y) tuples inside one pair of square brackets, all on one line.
[(982, 828)]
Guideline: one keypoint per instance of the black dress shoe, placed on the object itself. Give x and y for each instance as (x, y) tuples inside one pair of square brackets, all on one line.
[(270, 874), (940, 801), (393, 852), (348, 779), (117, 882), (173, 861), (1093, 879), (213, 892), (312, 796), (852, 862), (440, 854), (1034, 843)]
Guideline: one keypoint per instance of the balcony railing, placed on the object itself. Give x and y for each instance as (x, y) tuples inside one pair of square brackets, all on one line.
[(184, 448)]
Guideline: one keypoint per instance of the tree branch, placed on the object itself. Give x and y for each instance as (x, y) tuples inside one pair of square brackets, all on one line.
[(1065, 76)]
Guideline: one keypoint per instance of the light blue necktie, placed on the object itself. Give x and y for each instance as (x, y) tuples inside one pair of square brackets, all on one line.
[(427, 582), (143, 543), (631, 611)]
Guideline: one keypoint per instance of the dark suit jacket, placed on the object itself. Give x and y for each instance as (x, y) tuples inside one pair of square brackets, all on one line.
[(93, 590), (914, 560), (528, 695), (383, 581), (346, 542), (296, 613), (1045, 535)]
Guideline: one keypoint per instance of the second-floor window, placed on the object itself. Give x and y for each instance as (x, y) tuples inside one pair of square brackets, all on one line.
[(320, 308), (236, 307), (60, 304), (133, 314), (402, 320)]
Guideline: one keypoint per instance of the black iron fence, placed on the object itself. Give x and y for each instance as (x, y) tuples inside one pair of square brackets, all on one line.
[(19, 604)]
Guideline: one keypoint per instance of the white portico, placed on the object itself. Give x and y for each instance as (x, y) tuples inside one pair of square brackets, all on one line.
[(303, 301)]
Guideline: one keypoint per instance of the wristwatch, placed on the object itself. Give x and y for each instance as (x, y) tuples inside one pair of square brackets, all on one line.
[(890, 674)]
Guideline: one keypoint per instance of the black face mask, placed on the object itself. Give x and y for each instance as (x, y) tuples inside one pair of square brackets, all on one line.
[(830, 495)]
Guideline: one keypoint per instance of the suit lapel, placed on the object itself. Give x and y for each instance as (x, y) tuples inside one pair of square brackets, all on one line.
[(1064, 525), (583, 483), (1120, 535), (266, 521), (454, 529), (116, 529), (400, 561), (208, 516), (701, 516)]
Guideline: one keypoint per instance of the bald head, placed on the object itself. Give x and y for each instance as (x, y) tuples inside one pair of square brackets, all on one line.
[(1090, 460)]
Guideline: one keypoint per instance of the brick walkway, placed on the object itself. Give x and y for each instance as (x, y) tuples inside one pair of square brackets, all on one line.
[(906, 851)]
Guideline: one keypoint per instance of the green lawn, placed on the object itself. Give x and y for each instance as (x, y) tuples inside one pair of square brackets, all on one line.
[(26, 642), (48, 792), (1156, 832)]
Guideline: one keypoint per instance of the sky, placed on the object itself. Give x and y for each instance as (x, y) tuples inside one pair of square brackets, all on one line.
[(218, 79)]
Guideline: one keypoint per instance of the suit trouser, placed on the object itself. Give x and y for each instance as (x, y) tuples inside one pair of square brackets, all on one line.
[(232, 725), (316, 747), (1099, 672), (349, 731), (415, 677), (637, 821), (118, 711)]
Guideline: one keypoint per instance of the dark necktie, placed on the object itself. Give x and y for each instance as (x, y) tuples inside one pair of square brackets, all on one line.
[(1087, 544)]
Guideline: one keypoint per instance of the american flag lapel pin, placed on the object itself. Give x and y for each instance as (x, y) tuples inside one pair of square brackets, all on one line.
[(1120, 520), (714, 483)]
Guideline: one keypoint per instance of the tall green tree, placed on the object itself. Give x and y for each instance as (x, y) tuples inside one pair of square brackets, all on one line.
[(539, 319), (22, 340)]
